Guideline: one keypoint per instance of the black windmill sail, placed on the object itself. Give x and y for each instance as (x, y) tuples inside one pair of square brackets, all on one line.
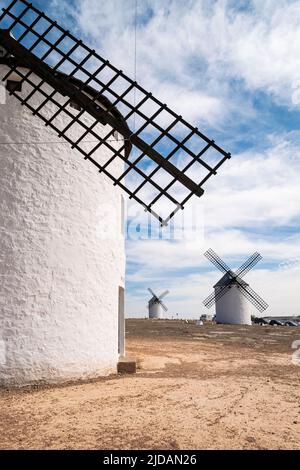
[(171, 160), (236, 278)]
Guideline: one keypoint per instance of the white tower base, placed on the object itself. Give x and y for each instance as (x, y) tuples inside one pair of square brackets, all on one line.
[(155, 310), (233, 308), (62, 256)]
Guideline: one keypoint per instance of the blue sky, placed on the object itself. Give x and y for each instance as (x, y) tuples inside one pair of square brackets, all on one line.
[(233, 69)]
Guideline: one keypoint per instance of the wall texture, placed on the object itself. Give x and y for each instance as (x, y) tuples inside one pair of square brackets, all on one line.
[(62, 256), (233, 308)]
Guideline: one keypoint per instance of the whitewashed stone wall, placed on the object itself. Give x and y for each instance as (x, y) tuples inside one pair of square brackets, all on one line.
[(62, 256)]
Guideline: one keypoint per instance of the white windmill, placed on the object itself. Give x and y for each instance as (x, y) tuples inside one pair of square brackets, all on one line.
[(67, 115), (231, 294), (156, 305)]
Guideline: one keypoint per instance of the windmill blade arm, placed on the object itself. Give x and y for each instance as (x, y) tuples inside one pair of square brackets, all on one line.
[(100, 79), (210, 300), (215, 296), (163, 294), (253, 297), (45, 73), (152, 293), (217, 261), (249, 264), (164, 306)]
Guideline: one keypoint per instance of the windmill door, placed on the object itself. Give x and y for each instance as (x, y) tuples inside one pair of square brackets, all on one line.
[(121, 322)]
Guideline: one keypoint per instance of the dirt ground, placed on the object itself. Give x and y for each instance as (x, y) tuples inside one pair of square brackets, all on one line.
[(210, 387)]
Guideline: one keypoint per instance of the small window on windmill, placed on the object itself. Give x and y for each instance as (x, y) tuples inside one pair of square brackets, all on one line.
[(75, 106), (13, 86)]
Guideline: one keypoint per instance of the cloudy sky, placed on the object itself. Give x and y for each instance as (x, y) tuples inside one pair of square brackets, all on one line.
[(232, 68)]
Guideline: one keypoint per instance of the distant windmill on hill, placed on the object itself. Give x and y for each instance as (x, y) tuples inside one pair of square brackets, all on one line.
[(156, 305), (232, 292)]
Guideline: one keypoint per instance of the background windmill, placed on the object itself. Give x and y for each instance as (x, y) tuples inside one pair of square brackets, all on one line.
[(231, 294), (155, 305)]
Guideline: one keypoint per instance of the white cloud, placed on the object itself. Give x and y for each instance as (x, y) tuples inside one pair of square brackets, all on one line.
[(195, 48), (208, 61), (157, 260), (186, 296), (258, 194), (256, 189)]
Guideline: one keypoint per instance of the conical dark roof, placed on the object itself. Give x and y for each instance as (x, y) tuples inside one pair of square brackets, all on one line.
[(227, 280)]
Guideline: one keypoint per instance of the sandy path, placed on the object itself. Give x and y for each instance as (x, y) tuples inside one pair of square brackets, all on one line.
[(187, 394)]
